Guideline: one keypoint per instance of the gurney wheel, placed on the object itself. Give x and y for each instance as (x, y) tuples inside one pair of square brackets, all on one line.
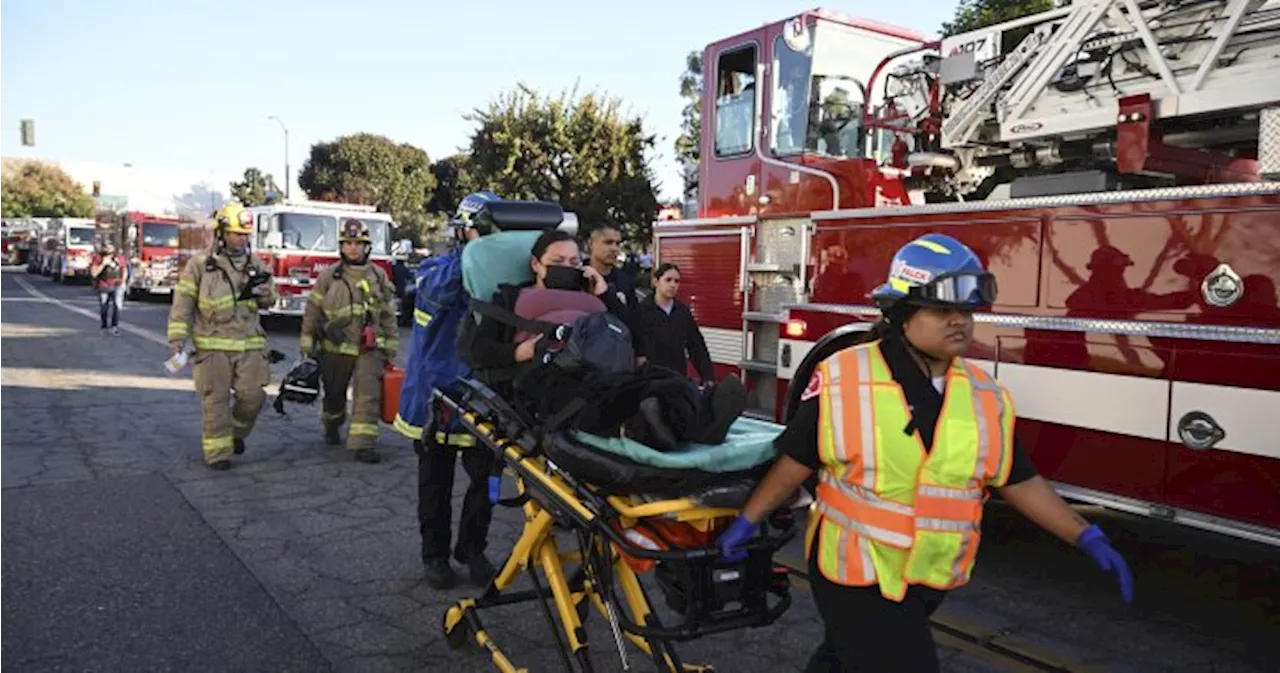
[(457, 632)]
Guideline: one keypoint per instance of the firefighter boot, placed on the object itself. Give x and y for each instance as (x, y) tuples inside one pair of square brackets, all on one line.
[(239, 444)]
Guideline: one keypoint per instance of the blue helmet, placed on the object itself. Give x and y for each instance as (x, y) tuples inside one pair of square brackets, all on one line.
[(937, 270), (465, 217)]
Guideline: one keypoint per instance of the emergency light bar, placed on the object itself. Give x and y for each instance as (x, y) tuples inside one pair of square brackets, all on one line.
[(329, 205)]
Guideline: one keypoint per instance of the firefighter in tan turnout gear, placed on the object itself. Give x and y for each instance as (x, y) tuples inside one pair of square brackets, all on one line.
[(215, 306), (352, 312)]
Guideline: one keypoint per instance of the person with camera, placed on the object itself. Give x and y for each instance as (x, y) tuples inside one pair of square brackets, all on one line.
[(215, 306), (110, 274), (352, 308)]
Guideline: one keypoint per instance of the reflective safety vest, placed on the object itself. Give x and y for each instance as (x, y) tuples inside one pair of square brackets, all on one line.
[(887, 511)]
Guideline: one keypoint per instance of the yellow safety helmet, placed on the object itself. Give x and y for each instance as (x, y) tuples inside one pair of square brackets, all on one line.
[(355, 230), (233, 218)]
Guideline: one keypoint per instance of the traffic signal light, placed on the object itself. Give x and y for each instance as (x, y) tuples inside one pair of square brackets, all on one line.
[(28, 133)]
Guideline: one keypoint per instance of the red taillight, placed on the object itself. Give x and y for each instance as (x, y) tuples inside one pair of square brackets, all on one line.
[(794, 329)]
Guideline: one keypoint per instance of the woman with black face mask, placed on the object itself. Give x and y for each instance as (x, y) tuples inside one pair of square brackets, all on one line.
[(557, 265)]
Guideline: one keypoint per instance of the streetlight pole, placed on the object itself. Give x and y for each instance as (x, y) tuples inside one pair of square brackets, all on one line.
[(287, 178)]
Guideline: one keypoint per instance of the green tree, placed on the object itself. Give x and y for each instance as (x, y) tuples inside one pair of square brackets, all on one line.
[(687, 143), (256, 189), (37, 189), (453, 183), (373, 170), (975, 14), (580, 151)]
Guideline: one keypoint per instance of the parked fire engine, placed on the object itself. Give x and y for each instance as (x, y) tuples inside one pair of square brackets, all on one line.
[(296, 239), (150, 243), (69, 246), (1107, 160)]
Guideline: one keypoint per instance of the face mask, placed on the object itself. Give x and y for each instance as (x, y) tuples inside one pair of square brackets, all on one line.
[(563, 278)]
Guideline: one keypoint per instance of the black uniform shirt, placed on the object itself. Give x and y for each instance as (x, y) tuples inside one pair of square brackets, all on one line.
[(800, 439), (668, 336)]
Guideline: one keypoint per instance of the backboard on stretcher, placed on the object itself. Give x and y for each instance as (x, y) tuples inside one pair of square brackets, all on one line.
[(627, 508)]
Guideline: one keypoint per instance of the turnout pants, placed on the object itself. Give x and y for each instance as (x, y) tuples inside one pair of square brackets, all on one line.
[(868, 633), (436, 464), (337, 371), (217, 374)]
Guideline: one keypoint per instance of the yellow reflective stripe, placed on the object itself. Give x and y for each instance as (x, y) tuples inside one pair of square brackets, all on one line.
[(316, 299), (392, 344), (364, 429), (421, 317), (188, 288), (306, 342), (217, 444), (216, 303), (177, 330), (341, 349), (340, 312), (455, 439), (230, 344), (406, 428)]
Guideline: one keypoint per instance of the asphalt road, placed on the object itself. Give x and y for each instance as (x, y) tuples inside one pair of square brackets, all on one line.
[(121, 551)]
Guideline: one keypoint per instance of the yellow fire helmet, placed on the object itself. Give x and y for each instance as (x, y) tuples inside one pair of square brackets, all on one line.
[(355, 230), (233, 218)]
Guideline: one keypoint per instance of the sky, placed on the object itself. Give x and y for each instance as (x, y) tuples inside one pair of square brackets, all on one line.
[(191, 85)]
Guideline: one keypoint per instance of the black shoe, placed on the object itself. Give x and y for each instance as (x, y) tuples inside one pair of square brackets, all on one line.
[(369, 456), (439, 573), (480, 571), (239, 446), (220, 465), (332, 438), (727, 400)]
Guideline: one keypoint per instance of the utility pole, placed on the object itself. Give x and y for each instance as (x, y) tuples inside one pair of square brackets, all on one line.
[(288, 179)]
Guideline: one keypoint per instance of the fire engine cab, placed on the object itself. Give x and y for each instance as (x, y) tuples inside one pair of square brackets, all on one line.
[(1109, 161), (295, 239)]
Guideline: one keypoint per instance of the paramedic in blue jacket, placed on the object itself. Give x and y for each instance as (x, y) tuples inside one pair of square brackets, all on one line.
[(439, 305)]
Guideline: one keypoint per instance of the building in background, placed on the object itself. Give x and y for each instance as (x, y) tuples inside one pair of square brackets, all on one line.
[(153, 189)]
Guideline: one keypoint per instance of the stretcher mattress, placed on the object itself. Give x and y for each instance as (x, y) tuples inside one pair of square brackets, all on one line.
[(699, 471)]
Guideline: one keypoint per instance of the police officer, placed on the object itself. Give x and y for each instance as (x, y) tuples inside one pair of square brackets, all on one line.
[(352, 310), (439, 304), (210, 309), (907, 438)]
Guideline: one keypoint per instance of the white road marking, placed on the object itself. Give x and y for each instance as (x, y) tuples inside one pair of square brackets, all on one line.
[(136, 331)]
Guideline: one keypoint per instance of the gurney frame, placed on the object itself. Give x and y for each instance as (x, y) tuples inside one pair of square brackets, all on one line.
[(712, 594)]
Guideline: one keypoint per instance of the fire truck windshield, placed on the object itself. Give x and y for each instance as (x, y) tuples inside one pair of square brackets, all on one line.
[(308, 232), (80, 235), (817, 101), (160, 233)]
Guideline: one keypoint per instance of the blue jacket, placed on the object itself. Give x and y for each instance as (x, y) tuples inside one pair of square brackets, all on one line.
[(440, 303)]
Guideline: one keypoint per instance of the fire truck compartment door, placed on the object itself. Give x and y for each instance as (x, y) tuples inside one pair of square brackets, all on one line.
[(1224, 433), (1092, 408)]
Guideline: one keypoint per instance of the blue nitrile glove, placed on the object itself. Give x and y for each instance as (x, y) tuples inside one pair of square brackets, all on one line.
[(1095, 543), (731, 541), (495, 489)]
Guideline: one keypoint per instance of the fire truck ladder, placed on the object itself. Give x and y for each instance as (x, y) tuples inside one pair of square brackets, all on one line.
[(1208, 58)]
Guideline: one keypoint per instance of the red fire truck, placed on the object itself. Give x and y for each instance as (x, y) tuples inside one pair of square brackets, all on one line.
[(1108, 161), (296, 239), (150, 242)]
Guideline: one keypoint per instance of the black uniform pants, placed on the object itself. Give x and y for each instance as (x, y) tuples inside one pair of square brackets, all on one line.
[(436, 464), (868, 633)]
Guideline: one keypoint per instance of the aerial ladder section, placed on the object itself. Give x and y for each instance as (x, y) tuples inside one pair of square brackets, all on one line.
[(1191, 76)]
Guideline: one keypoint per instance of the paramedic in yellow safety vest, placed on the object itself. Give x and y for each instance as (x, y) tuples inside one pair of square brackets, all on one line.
[(907, 438), (211, 310), (351, 312)]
